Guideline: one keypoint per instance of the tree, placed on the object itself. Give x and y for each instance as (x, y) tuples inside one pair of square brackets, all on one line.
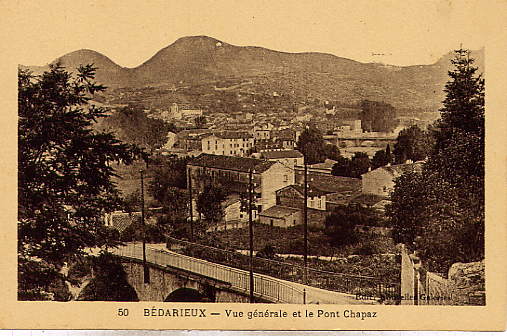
[(133, 125), (175, 205), (359, 164), (455, 208), (167, 172), (355, 167), (311, 144), (209, 203), (407, 205), (412, 144), (449, 195), (341, 167), (64, 175), (340, 227), (331, 152), (380, 159), (377, 116)]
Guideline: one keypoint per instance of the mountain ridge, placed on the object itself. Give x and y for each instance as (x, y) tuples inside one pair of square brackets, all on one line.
[(196, 59)]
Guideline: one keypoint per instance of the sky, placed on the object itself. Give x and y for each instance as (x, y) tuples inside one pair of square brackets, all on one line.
[(129, 32)]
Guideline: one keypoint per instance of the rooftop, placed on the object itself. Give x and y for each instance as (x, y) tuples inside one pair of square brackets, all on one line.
[(280, 154), (278, 211), (233, 135), (400, 169), (368, 199), (331, 183), (241, 164)]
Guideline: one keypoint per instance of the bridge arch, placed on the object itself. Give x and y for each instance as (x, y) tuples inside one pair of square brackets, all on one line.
[(186, 294)]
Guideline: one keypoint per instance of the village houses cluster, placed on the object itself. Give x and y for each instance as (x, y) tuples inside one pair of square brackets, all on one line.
[(227, 148)]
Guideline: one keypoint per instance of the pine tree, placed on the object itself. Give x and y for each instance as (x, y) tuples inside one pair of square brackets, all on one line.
[(448, 225)]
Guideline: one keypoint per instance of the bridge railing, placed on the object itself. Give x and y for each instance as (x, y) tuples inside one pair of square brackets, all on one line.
[(264, 286), (334, 281)]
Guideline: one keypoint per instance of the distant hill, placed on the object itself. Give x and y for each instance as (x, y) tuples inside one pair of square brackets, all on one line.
[(194, 59)]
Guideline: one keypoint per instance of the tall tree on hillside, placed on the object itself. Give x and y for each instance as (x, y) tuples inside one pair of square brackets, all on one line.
[(64, 175), (412, 144), (377, 116), (311, 143), (132, 125), (451, 220)]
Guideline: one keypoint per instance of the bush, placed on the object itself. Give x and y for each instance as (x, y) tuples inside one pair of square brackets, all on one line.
[(267, 252), (110, 282), (340, 231)]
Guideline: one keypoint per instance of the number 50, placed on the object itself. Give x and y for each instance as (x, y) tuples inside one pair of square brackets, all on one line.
[(123, 312)]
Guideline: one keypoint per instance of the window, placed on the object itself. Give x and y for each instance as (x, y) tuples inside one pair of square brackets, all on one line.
[(285, 178), (271, 222)]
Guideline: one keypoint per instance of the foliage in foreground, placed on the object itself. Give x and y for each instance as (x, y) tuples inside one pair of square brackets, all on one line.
[(109, 282), (440, 212), (64, 174)]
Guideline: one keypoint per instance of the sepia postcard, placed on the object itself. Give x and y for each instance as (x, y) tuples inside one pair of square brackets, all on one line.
[(263, 165)]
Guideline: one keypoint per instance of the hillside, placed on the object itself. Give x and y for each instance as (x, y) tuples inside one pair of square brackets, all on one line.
[(303, 76)]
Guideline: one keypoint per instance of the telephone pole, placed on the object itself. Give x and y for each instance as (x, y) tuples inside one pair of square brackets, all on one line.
[(250, 226), (145, 266), (305, 225), (189, 182)]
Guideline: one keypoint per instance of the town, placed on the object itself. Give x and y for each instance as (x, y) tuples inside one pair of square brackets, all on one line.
[(253, 189)]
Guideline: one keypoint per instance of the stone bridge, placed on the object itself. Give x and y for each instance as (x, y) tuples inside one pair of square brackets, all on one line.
[(362, 139), (179, 278), (173, 284)]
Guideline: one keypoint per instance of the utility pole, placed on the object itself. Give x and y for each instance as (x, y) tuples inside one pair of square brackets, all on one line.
[(189, 182), (250, 226), (145, 266), (305, 225)]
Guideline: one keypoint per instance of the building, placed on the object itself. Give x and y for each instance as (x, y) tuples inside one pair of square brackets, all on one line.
[(233, 173), (263, 131), (293, 197), (228, 143), (281, 216), (184, 111), (380, 181), (289, 158), (191, 140), (325, 167)]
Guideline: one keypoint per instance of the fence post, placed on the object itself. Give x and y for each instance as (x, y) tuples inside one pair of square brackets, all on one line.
[(304, 295)]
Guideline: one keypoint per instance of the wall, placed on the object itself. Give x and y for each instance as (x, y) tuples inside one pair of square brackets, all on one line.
[(268, 220), (378, 182), (274, 179), (317, 218), (464, 286), (467, 282)]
